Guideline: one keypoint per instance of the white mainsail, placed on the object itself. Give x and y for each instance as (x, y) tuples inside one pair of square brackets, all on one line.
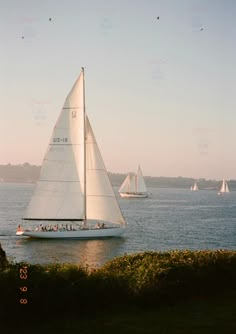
[(134, 184), (194, 187), (129, 184), (224, 187), (59, 191), (73, 183)]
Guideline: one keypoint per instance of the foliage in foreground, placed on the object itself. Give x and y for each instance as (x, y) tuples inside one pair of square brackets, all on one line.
[(144, 279)]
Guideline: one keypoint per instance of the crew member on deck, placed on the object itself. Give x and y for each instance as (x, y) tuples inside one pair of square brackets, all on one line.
[(19, 229)]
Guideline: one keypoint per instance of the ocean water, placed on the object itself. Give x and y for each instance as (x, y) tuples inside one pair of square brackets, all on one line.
[(169, 219)]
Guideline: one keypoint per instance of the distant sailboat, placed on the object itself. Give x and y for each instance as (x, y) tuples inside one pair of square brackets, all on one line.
[(224, 188), (73, 187), (134, 186), (194, 187)]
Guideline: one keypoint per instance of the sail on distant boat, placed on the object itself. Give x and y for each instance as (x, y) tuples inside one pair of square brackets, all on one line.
[(134, 185), (224, 188), (73, 187), (194, 187)]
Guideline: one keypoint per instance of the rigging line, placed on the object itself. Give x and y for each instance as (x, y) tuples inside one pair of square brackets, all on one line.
[(54, 219), (101, 196), (85, 153), (102, 170), (72, 108), (58, 181)]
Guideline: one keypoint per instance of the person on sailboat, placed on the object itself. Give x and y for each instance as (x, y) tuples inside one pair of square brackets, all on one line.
[(84, 225), (19, 229)]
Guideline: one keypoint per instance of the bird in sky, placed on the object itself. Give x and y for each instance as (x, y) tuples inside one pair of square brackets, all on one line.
[(22, 37), (50, 19), (201, 29), (158, 17)]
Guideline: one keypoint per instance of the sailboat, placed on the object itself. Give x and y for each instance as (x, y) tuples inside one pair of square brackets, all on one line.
[(134, 185), (194, 187), (73, 197), (224, 188)]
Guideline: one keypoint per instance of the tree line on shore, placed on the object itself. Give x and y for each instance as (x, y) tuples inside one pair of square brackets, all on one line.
[(26, 173)]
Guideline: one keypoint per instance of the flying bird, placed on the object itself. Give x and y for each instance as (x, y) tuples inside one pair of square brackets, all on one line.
[(201, 29), (50, 19), (22, 37), (158, 17)]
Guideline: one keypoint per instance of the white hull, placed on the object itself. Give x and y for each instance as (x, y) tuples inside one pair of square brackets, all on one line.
[(133, 195), (79, 234)]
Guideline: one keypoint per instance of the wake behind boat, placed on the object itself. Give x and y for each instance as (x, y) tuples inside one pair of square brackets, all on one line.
[(73, 187)]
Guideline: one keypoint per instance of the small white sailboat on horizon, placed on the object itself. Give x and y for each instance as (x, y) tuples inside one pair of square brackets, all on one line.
[(73, 186), (224, 188), (194, 187), (134, 186)]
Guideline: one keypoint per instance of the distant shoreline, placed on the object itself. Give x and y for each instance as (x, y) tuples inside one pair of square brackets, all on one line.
[(26, 173), (114, 185)]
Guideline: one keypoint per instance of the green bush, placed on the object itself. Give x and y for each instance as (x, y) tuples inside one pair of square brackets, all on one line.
[(149, 279)]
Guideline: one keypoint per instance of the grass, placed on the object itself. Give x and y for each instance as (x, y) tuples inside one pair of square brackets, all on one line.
[(197, 316), (151, 292)]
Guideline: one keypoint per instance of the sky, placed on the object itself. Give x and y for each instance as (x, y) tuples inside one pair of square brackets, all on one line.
[(160, 93)]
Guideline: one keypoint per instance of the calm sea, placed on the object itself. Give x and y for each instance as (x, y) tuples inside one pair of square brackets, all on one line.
[(170, 219)]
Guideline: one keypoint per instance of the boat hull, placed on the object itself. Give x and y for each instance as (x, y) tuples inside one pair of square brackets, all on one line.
[(125, 195), (79, 234)]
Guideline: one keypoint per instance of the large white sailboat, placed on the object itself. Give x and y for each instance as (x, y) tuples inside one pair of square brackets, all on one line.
[(73, 197), (134, 186), (194, 187), (224, 188)]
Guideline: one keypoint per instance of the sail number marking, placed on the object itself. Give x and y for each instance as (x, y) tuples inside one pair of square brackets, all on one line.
[(60, 140), (23, 273)]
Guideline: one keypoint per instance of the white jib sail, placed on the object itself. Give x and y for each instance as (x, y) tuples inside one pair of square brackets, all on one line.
[(101, 200), (224, 188), (141, 186)]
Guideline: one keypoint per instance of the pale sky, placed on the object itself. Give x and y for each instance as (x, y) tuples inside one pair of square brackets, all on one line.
[(159, 93)]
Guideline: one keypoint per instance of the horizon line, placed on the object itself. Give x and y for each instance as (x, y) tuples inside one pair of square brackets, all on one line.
[(125, 173)]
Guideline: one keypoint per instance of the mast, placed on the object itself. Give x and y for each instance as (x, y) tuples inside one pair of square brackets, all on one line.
[(85, 192), (136, 181)]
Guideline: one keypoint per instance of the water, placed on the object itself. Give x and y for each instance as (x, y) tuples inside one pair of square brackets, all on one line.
[(170, 219)]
